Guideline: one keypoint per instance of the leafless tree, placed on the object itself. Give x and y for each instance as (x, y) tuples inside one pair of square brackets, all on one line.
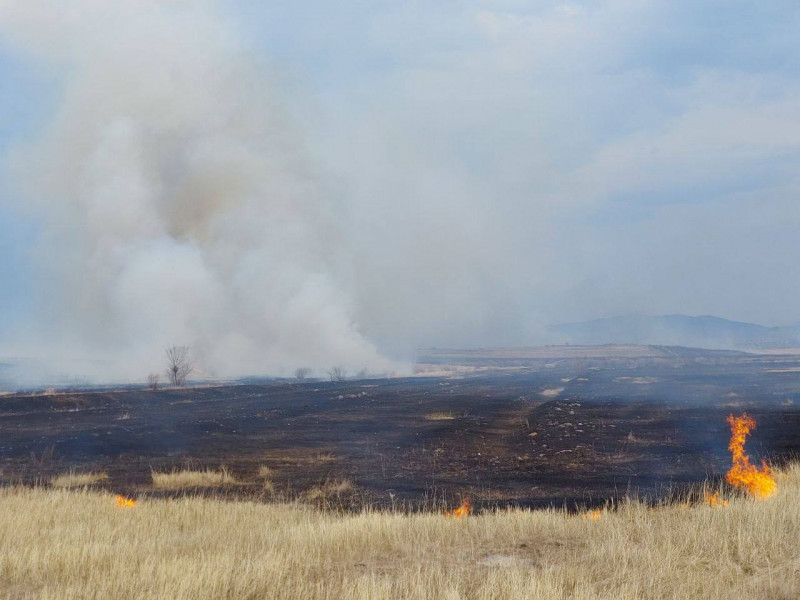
[(302, 372), (178, 364), (337, 374), (152, 381)]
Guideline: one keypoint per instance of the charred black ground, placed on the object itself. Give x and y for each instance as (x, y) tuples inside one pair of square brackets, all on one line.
[(526, 430)]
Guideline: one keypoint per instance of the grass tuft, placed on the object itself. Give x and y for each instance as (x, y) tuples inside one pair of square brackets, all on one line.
[(330, 489), (266, 474), (439, 416), (177, 480), (74, 480)]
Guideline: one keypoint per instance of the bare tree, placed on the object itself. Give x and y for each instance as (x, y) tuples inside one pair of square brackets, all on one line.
[(302, 372), (337, 374), (178, 364), (152, 381)]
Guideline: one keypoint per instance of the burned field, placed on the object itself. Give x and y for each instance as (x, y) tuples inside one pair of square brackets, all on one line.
[(573, 431)]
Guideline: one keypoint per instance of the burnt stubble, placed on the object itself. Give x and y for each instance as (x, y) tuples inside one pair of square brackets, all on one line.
[(502, 434)]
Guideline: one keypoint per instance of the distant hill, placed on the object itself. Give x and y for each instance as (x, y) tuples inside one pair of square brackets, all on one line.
[(678, 330)]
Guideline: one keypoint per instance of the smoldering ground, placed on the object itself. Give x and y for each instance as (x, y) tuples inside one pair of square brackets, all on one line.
[(542, 435)]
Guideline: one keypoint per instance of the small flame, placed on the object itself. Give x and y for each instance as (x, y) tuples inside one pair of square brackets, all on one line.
[(713, 499), (462, 511), (758, 481), (123, 502), (592, 515)]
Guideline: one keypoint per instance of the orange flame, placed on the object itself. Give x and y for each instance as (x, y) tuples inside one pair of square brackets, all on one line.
[(123, 502), (592, 515), (758, 481), (462, 511), (713, 499)]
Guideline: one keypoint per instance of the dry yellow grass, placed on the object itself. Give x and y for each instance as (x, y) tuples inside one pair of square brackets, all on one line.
[(177, 480), (330, 489), (67, 544), (439, 416), (266, 474), (73, 479), (324, 457)]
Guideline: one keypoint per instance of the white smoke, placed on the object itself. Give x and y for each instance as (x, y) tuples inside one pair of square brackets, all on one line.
[(496, 169), (175, 198)]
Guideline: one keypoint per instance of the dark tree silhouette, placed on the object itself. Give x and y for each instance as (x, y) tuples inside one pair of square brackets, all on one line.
[(337, 374), (178, 365), (152, 381), (302, 372)]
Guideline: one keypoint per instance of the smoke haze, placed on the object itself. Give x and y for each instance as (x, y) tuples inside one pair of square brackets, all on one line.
[(176, 200), (337, 184)]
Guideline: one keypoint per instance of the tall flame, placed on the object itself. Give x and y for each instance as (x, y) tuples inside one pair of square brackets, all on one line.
[(757, 481), (462, 511), (123, 502)]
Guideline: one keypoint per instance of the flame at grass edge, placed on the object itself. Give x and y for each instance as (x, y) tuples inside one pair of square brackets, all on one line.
[(462, 511), (714, 500), (123, 502), (759, 482)]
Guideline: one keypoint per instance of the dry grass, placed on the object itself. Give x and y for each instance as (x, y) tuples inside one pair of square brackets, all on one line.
[(330, 489), (66, 544), (177, 480), (266, 474), (439, 416), (324, 457), (74, 480)]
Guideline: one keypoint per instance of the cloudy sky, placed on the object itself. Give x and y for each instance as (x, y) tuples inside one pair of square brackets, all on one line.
[(459, 172)]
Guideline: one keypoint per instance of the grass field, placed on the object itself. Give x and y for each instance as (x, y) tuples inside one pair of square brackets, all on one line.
[(62, 543)]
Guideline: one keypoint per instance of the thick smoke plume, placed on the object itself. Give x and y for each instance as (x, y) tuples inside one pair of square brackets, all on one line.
[(176, 201), (453, 174)]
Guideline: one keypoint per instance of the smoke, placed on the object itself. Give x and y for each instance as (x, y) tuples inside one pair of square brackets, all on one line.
[(454, 174), (176, 201)]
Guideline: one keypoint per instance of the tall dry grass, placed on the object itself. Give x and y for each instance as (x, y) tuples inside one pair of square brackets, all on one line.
[(60, 544)]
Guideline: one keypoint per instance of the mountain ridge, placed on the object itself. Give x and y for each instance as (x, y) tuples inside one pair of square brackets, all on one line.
[(703, 331)]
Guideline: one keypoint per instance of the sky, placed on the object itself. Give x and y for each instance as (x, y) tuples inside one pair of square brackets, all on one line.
[(395, 175)]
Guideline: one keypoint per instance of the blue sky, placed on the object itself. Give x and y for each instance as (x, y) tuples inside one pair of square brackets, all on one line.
[(510, 164), (23, 98)]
